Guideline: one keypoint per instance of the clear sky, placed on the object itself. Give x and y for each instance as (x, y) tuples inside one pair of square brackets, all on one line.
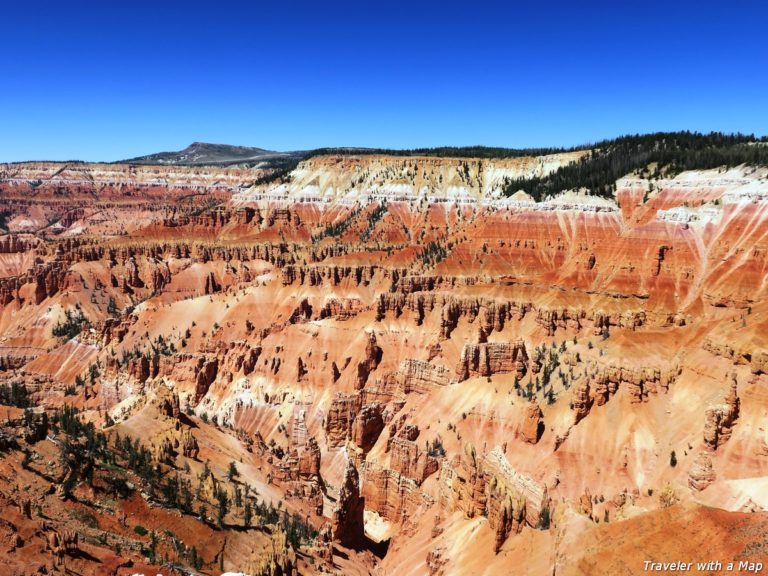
[(111, 80)]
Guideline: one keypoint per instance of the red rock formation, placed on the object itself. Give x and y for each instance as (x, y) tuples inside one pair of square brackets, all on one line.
[(341, 414), (163, 451), (302, 313), (301, 470), (250, 359), (489, 486), (335, 373), (206, 374), (720, 420), (61, 544), (759, 362), (487, 359), (49, 279), (190, 448), (554, 273), (309, 460), (12, 243), (701, 473), (139, 368), (408, 459), (390, 494), (278, 558), (373, 353), (466, 483), (533, 423), (506, 511), (169, 404), (411, 377), (367, 426), (211, 285), (348, 523), (318, 275), (436, 561), (639, 382), (324, 543), (581, 401)]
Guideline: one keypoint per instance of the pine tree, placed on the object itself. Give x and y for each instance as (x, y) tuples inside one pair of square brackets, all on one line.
[(222, 501), (247, 514)]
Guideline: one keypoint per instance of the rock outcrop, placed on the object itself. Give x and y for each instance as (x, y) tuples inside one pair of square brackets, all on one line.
[(719, 420), (410, 460), (489, 486), (206, 374), (189, 446), (581, 402), (373, 354), (411, 377), (701, 474), (348, 523), (300, 469), (341, 414), (639, 382), (489, 358), (277, 558), (367, 426), (532, 425), (391, 494)]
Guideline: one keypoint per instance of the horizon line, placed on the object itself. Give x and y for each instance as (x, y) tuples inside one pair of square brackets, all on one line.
[(310, 150)]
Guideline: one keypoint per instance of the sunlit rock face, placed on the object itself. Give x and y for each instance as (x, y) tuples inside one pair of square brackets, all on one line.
[(427, 376)]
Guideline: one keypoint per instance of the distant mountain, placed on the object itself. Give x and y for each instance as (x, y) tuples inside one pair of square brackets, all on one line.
[(202, 153), (668, 152)]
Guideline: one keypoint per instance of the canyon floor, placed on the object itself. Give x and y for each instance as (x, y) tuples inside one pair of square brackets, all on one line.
[(380, 365)]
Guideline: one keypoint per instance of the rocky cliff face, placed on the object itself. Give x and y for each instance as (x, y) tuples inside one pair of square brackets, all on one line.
[(367, 426), (408, 351), (487, 359), (408, 459), (701, 473), (489, 486), (638, 382), (373, 354), (412, 377), (348, 523), (341, 415), (720, 419), (347, 178), (533, 424), (300, 470), (392, 495)]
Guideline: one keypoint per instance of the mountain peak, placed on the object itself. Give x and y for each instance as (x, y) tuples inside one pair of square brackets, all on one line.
[(202, 153)]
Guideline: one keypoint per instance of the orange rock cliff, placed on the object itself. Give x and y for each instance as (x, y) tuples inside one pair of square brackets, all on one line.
[(380, 365)]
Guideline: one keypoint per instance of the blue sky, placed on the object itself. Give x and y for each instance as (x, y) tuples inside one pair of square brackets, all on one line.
[(111, 80)]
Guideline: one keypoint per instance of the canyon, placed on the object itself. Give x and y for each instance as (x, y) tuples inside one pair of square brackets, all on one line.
[(380, 364)]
